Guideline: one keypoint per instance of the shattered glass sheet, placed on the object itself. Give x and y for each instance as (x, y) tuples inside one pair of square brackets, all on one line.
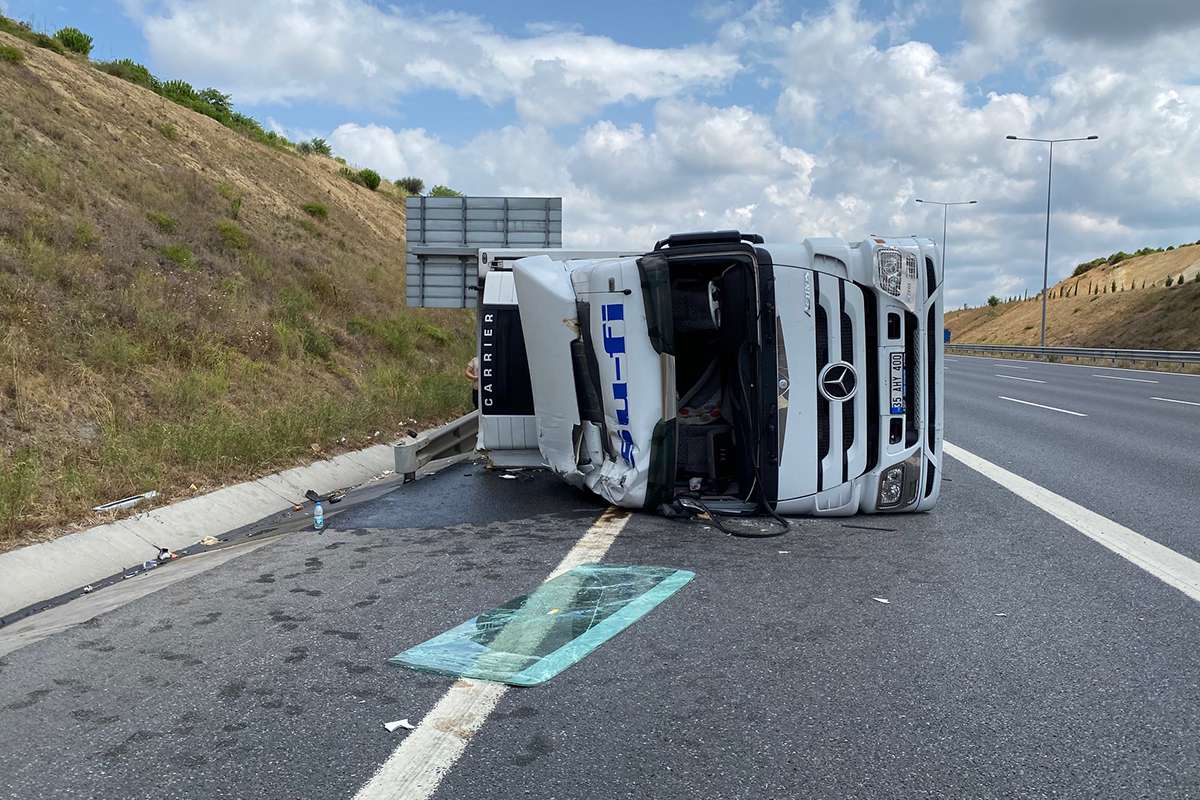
[(532, 638)]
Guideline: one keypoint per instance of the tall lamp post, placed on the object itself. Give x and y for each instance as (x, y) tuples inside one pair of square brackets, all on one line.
[(1049, 179), (945, 214)]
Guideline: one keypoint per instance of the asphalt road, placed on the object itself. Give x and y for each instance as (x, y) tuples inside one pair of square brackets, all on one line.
[(1016, 657), (1133, 458)]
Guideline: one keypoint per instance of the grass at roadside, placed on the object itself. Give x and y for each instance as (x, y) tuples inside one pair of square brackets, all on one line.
[(166, 323)]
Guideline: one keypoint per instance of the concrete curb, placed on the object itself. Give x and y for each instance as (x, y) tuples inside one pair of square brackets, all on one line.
[(42, 571)]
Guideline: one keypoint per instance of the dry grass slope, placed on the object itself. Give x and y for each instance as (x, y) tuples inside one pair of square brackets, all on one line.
[(182, 305), (1155, 317)]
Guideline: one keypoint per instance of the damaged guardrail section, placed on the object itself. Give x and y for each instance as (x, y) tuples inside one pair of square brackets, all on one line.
[(452, 439), (1113, 354)]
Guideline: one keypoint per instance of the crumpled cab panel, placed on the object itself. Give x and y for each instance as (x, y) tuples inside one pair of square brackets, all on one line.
[(589, 350)]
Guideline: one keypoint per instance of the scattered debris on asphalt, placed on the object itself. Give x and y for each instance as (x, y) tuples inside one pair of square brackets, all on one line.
[(1001, 614), (210, 541), (165, 554), (125, 502), (883, 600), (392, 727), (508, 476), (784, 552), (89, 589), (132, 574)]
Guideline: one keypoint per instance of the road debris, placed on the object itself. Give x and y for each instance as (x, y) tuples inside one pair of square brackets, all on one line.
[(89, 589), (392, 727), (164, 554), (784, 552), (508, 476), (883, 600), (125, 502), (210, 541), (1000, 614)]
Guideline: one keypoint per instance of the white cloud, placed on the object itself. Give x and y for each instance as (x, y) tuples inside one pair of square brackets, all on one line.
[(853, 118), (353, 53)]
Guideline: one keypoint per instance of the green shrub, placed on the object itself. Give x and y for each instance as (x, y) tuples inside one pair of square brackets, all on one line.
[(230, 193), (304, 148), (48, 42), (169, 131), (1170, 281), (11, 54), (180, 254), (316, 210), (232, 237), (320, 147), (163, 222), (317, 343), (75, 40), (993, 301), (223, 103), (129, 70), (369, 178), (179, 91), (444, 191), (411, 185)]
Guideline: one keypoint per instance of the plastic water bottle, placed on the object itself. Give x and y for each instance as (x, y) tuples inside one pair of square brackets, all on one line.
[(318, 517)]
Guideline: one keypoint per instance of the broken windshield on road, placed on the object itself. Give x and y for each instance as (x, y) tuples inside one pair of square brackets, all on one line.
[(532, 638)]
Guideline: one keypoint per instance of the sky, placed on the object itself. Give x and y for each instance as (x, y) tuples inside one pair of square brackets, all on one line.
[(789, 119)]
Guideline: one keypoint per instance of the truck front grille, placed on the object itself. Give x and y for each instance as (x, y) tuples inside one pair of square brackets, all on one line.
[(841, 321)]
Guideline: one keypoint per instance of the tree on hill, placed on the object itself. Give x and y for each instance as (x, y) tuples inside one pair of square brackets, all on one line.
[(993, 301), (444, 191)]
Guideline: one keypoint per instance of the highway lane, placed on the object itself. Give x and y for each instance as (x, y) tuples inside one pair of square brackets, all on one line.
[(1016, 658), (1133, 459)]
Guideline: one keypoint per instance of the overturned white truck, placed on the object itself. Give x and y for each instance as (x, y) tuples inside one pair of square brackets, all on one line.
[(794, 379)]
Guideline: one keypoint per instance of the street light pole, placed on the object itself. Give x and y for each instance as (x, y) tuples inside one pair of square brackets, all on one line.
[(945, 215), (1049, 180)]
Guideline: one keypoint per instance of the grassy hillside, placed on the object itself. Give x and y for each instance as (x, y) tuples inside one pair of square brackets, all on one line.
[(183, 304), (1127, 304)]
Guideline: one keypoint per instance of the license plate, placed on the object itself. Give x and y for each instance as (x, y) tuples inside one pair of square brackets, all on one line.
[(898, 379)]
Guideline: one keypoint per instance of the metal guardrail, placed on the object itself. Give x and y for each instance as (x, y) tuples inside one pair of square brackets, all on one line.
[(452, 439), (1113, 354)]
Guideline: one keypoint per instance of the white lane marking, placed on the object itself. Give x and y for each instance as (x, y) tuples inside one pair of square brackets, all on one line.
[(1170, 400), (1086, 366), (1019, 378), (1039, 405), (415, 769), (1119, 378), (1162, 562), (1008, 366)]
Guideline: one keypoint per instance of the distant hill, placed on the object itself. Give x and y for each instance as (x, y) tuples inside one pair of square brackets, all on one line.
[(184, 303), (1127, 304)]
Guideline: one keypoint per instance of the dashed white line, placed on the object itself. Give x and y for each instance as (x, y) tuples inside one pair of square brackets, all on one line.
[(1172, 400), (1119, 378), (1039, 405), (1162, 562), (1019, 378), (415, 769), (1007, 366)]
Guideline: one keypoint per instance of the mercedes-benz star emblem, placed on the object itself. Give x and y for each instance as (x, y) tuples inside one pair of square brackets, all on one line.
[(838, 381)]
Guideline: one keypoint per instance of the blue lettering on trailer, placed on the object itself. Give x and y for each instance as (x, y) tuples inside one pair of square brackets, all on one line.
[(612, 315)]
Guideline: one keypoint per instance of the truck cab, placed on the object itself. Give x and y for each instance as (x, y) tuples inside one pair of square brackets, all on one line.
[(800, 378)]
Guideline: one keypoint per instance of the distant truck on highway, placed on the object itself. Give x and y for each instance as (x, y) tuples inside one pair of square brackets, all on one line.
[(788, 378)]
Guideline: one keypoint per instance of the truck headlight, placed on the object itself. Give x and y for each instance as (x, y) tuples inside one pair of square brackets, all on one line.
[(890, 269), (891, 485)]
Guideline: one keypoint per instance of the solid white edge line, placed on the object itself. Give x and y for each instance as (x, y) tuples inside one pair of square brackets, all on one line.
[(1171, 400), (1018, 378), (1039, 405), (417, 766), (1119, 378), (1160, 561), (1009, 366)]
